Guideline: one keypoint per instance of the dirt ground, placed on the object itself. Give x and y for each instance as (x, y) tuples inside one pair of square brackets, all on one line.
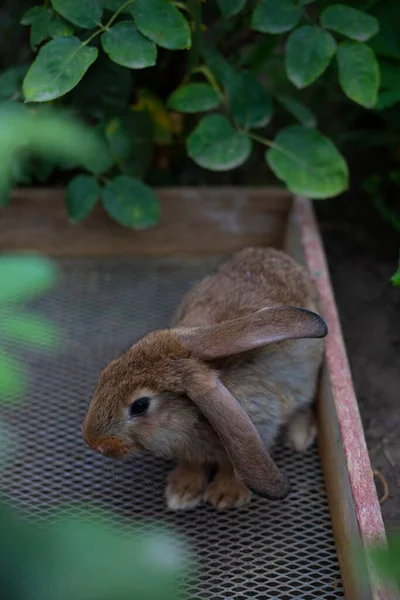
[(362, 253)]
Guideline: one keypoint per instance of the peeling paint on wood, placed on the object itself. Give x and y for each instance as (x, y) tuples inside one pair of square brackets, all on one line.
[(365, 498)]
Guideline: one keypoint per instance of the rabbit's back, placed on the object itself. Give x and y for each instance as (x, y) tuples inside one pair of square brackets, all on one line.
[(254, 278), (272, 382)]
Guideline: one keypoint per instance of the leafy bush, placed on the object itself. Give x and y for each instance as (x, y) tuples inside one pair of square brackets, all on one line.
[(144, 72)]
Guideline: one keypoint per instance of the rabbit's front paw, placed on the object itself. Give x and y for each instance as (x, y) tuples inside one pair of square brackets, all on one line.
[(185, 487), (225, 491)]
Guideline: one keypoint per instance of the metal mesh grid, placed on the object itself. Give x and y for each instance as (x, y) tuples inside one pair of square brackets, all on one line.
[(267, 550)]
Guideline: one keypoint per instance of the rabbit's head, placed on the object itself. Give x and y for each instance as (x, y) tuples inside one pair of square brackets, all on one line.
[(164, 395)]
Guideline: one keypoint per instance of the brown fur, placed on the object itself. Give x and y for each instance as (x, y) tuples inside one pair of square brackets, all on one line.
[(232, 345)]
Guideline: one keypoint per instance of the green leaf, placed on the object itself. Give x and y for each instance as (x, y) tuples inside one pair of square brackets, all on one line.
[(275, 16), (57, 69), (29, 330), (298, 110), (308, 162), (358, 73), (396, 278), (162, 23), (39, 20), (193, 98), (309, 50), (250, 103), (215, 145), (82, 194), (389, 94), (84, 13), (224, 71), (47, 132), (386, 559), (24, 277), (349, 21), (12, 377), (59, 27), (11, 82), (229, 8), (130, 141), (130, 202), (126, 46), (31, 14)]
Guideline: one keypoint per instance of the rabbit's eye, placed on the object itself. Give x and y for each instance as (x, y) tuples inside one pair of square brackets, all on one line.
[(139, 407)]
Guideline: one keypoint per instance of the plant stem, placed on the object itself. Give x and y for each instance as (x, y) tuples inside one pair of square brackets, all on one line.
[(108, 24), (194, 53), (278, 147), (211, 79), (118, 12), (181, 6)]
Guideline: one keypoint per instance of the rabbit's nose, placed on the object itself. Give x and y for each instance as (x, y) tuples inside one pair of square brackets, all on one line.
[(111, 446)]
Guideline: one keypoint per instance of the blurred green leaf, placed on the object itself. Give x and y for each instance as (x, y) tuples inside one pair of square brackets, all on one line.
[(309, 50), (194, 97), (358, 73), (349, 21), (81, 196), (48, 132), (59, 27), (31, 14), (39, 19), (229, 8), (11, 82), (22, 169), (162, 23), (308, 163), (12, 378), (84, 13), (24, 277), (7, 166), (89, 559), (130, 142), (298, 110), (387, 559), (130, 202), (215, 145), (275, 16), (29, 329), (57, 69), (250, 103), (126, 46), (396, 283)]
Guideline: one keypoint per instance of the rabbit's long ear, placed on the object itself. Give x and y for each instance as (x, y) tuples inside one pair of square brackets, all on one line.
[(266, 326), (239, 437)]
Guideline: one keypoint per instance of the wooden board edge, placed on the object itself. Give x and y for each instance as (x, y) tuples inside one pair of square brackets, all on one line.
[(197, 221), (341, 506), (276, 196), (366, 503)]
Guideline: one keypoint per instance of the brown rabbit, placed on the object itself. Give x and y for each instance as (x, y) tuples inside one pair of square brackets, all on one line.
[(214, 390)]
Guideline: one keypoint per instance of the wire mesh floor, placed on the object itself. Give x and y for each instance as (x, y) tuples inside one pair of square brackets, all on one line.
[(267, 550)]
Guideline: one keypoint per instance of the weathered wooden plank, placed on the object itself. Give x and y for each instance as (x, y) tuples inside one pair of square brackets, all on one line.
[(201, 221)]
